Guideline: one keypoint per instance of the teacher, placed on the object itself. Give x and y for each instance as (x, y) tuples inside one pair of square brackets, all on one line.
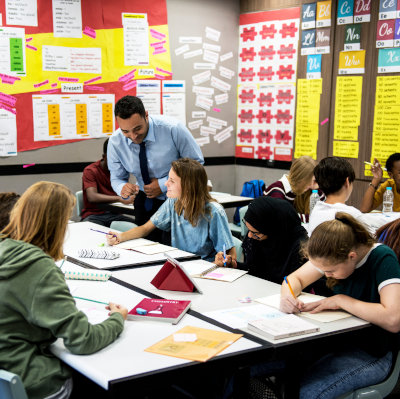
[(145, 146)]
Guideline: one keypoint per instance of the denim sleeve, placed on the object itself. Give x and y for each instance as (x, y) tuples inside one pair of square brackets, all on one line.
[(162, 218), (220, 233)]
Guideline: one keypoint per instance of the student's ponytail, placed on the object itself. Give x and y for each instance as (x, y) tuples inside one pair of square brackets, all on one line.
[(333, 240)]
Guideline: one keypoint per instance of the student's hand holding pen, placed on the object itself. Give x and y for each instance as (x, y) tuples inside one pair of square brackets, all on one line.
[(230, 261), (289, 302), (115, 308), (113, 238)]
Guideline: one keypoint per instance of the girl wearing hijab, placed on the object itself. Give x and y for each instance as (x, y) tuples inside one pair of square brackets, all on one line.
[(272, 245)]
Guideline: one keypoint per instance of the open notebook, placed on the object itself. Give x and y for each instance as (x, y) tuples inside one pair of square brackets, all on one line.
[(325, 316)]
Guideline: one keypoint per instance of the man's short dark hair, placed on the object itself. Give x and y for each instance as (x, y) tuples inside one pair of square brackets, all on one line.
[(105, 146), (7, 201), (391, 160), (331, 174), (129, 105)]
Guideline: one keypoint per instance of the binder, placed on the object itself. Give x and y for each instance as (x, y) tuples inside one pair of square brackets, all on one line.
[(173, 277)]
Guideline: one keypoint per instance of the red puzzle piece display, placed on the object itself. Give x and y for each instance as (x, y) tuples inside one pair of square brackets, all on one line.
[(245, 136), (288, 30), (247, 96), (264, 136), (247, 74), (248, 34), (248, 54), (246, 116), (286, 51), (285, 72), (267, 52), (266, 73), (264, 116), (282, 137), (268, 31), (283, 116), (284, 97), (265, 99), (264, 153)]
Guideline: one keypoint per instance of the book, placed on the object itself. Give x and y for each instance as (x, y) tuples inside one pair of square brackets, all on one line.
[(208, 344), (326, 316), (227, 274), (285, 326), (169, 310), (75, 272)]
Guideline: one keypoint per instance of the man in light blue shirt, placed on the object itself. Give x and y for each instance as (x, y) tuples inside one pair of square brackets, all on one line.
[(165, 140)]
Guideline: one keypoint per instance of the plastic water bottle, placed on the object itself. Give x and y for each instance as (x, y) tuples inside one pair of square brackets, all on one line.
[(387, 200), (314, 198)]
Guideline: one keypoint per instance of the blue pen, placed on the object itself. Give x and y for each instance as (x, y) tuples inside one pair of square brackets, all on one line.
[(224, 248), (103, 232)]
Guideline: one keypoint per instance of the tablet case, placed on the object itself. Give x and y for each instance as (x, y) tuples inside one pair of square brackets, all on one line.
[(173, 277)]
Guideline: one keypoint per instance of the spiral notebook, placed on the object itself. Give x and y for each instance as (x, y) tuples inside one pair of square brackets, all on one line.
[(221, 273), (75, 272)]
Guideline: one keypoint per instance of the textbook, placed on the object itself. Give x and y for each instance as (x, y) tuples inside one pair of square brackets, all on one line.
[(285, 326), (169, 310)]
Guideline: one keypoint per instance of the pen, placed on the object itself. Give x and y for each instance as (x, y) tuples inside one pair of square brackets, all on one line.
[(103, 232), (224, 248), (65, 257), (371, 164), (90, 300), (290, 287)]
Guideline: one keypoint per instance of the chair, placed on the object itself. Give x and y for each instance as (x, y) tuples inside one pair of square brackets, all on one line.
[(121, 225), (79, 202), (243, 228), (11, 386), (377, 391), (239, 250)]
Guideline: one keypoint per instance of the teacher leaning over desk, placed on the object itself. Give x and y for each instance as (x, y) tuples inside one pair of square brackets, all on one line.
[(145, 146)]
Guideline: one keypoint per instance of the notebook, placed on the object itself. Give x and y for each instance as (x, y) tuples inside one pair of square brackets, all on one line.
[(221, 273)]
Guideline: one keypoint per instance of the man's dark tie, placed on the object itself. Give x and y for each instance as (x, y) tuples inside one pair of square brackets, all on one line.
[(148, 203)]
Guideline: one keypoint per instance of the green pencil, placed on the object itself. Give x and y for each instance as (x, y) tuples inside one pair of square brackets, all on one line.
[(65, 257), (90, 300)]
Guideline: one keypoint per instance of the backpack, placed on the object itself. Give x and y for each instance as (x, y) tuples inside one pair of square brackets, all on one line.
[(253, 189)]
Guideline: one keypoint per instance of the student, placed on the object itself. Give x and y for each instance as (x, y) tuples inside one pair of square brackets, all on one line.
[(272, 245), (96, 188), (296, 186), (335, 177), (389, 234), (35, 302), (197, 223), (145, 146), (365, 279), (373, 197), (7, 201)]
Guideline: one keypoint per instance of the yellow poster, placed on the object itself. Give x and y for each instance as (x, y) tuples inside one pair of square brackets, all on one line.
[(351, 62), (324, 10), (345, 149)]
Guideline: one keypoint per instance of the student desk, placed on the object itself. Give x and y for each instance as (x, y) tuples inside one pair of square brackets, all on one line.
[(225, 199), (124, 367), (79, 235)]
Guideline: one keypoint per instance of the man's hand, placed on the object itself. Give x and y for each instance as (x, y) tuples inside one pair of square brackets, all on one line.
[(128, 201), (129, 189), (153, 189)]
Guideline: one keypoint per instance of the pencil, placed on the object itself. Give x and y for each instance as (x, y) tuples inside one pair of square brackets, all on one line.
[(224, 247), (90, 300), (103, 232), (65, 258), (290, 287)]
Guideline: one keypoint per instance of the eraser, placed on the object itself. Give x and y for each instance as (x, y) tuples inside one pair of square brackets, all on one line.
[(141, 311)]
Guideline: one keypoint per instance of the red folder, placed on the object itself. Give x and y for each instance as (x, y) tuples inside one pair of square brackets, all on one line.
[(172, 277)]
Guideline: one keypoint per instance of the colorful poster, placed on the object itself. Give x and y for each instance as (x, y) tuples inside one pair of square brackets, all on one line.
[(324, 14), (385, 33), (362, 11), (389, 60), (308, 16), (267, 84), (351, 62), (322, 42), (8, 133), (308, 42), (345, 12), (397, 33), (387, 9), (314, 63), (352, 37)]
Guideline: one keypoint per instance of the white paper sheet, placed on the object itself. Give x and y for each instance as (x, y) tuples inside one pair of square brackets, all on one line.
[(67, 18), (8, 134), (22, 12), (136, 39)]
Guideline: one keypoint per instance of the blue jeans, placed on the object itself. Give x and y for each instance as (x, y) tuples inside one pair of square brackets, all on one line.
[(339, 373)]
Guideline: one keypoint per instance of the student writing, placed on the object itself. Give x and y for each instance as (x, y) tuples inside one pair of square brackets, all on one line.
[(36, 306), (198, 224), (365, 279)]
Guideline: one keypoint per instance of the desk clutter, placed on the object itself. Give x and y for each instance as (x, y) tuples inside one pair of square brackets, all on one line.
[(97, 253)]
